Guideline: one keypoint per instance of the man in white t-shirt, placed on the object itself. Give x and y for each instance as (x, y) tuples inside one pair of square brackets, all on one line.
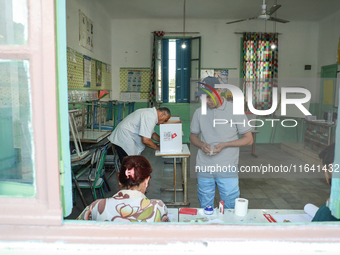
[(137, 130), (218, 154)]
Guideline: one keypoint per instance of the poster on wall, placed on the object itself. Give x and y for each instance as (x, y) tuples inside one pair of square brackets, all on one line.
[(135, 96), (85, 31), (134, 81), (206, 72), (108, 68), (87, 71), (82, 29), (73, 56), (89, 41), (221, 75), (98, 73), (125, 95)]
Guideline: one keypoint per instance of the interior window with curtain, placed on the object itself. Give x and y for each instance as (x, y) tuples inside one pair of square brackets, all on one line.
[(260, 72)]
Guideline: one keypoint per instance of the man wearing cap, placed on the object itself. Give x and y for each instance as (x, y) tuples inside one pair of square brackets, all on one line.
[(218, 154), (137, 131)]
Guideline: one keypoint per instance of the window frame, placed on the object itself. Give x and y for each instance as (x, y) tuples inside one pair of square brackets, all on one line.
[(40, 219), (40, 51)]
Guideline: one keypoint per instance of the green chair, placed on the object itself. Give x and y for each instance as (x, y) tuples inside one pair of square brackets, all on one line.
[(91, 179)]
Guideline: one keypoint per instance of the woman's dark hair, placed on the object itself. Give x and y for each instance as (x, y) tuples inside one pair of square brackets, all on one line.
[(327, 155), (142, 170)]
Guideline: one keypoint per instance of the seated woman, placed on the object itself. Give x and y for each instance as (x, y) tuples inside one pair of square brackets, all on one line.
[(129, 204), (327, 156)]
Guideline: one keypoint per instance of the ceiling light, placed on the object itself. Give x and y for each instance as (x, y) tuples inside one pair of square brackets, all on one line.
[(273, 45), (183, 45)]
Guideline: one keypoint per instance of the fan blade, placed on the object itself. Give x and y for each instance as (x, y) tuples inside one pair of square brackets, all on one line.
[(240, 20), (278, 20), (273, 9)]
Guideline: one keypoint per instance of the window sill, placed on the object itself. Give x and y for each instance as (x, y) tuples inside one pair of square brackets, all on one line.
[(164, 233)]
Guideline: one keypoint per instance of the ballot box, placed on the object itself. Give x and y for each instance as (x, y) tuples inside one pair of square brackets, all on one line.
[(174, 117), (171, 136)]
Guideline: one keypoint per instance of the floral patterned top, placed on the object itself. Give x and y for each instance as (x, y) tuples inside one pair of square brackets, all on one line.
[(126, 205)]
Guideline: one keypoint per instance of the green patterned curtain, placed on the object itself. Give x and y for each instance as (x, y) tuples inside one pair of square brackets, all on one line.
[(260, 68), (152, 96)]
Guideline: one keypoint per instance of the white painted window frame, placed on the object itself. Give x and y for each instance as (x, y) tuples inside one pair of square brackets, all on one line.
[(40, 51), (40, 219)]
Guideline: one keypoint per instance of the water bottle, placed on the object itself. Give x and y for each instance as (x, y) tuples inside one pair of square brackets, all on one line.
[(330, 117)]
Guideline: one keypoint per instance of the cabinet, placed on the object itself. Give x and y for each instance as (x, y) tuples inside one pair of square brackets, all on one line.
[(318, 135)]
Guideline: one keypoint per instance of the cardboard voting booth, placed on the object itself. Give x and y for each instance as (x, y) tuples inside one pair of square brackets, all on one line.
[(174, 117), (171, 136)]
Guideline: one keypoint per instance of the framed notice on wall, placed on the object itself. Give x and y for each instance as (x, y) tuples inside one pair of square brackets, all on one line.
[(220, 74), (87, 71), (98, 73), (134, 81), (85, 31)]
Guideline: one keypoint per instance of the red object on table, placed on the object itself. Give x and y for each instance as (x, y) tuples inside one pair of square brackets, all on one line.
[(269, 217), (191, 211)]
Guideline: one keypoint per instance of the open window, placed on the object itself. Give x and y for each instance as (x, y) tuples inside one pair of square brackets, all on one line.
[(29, 163), (175, 67)]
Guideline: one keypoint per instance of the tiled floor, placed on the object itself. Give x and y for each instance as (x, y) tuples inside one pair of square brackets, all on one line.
[(266, 191)]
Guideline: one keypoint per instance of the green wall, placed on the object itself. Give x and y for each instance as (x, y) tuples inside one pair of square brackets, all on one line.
[(282, 134), (266, 135)]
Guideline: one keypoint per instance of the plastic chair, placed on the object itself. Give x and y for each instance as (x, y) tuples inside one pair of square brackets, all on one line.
[(94, 180), (113, 161), (89, 171)]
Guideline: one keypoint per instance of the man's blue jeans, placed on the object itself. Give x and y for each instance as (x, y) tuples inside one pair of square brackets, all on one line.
[(228, 188)]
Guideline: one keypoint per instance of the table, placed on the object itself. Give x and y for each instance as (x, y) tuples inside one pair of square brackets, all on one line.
[(184, 155), (93, 136), (253, 216), (174, 213), (80, 154)]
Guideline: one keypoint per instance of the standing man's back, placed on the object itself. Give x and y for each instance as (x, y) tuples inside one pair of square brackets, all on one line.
[(137, 131)]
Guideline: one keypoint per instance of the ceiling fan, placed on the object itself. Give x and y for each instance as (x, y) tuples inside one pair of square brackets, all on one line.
[(265, 15)]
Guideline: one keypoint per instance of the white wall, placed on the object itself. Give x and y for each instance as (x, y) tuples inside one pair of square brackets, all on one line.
[(128, 43), (101, 28), (298, 44), (328, 40)]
